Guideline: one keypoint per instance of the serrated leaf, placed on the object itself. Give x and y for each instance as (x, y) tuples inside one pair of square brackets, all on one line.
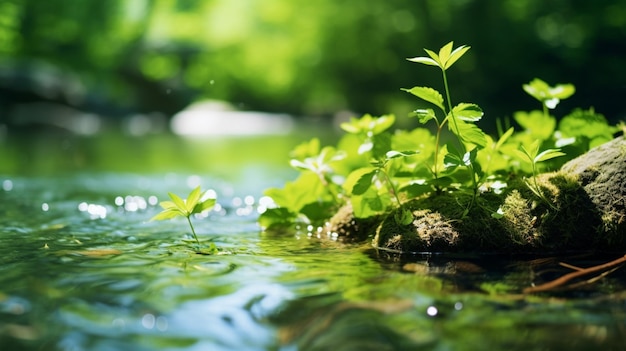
[(451, 161), (360, 180), (428, 94), (455, 55), (468, 132), (424, 115), (549, 96), (467, 112)]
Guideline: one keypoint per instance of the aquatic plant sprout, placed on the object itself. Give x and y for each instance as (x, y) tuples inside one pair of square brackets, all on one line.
[(196, 202)]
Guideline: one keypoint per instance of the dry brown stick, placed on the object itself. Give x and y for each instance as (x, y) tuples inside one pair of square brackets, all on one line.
[(564, 279)]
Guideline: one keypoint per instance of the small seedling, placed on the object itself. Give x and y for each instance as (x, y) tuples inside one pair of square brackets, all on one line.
[(186, 208), (459, 117), (547, 95), (533, 156)]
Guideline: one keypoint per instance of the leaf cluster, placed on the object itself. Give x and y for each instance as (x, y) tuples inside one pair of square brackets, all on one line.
[(377, 168)]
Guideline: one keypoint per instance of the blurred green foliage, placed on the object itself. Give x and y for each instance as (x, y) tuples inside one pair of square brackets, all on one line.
[(317, 57)]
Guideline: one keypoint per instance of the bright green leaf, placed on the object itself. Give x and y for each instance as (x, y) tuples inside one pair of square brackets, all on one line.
[(180, 203), (428, 94), (360, 180), (424, 115), (424, 60), (168, 214), (192, 199), (467, 112), (455, 55), (444, 53), (395, 154), (548, 154)]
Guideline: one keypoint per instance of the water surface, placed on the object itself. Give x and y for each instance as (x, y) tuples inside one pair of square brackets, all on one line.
[(83, 268)]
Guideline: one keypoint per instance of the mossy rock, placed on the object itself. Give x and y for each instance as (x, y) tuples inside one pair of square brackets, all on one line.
[(585, 210)]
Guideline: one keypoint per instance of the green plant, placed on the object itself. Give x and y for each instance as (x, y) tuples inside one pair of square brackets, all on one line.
[(459, 118), (533, 157), (194, 204), (378, 169), (547, 95)]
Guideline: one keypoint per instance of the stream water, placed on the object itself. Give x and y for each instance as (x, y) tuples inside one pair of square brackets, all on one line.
[(83, 268)]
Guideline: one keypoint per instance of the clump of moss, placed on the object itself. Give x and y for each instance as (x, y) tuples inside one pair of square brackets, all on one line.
[(518, 220), (580, 209), (429, 231)]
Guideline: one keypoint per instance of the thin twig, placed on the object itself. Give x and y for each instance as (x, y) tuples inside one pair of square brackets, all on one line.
[(564, 279), (572, 267)]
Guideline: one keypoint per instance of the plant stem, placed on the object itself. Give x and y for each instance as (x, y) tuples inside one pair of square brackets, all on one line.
[(393, 187), (193, 231), (458, 135)]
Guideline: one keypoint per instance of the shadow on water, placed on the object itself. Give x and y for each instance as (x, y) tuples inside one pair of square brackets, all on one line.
[(83, 268)]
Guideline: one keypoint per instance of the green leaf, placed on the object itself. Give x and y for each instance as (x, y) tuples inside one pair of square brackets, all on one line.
[(549, 96), (395, 154), (305, 189), (367, 145), (586, 123), (204, 205), (180, 203), (424, 60), (360, 180), (192, 199), (539, 125), (504, 138), (167, 204), (416, 189), (306, 149), (468, 132), (168, 214), (444, 53), (382, 123), (455, 55), (369, 204), (428, 94), (403, 217), (424, 115), (467, 112), (276, 217), (434, 56), (548, 154)]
